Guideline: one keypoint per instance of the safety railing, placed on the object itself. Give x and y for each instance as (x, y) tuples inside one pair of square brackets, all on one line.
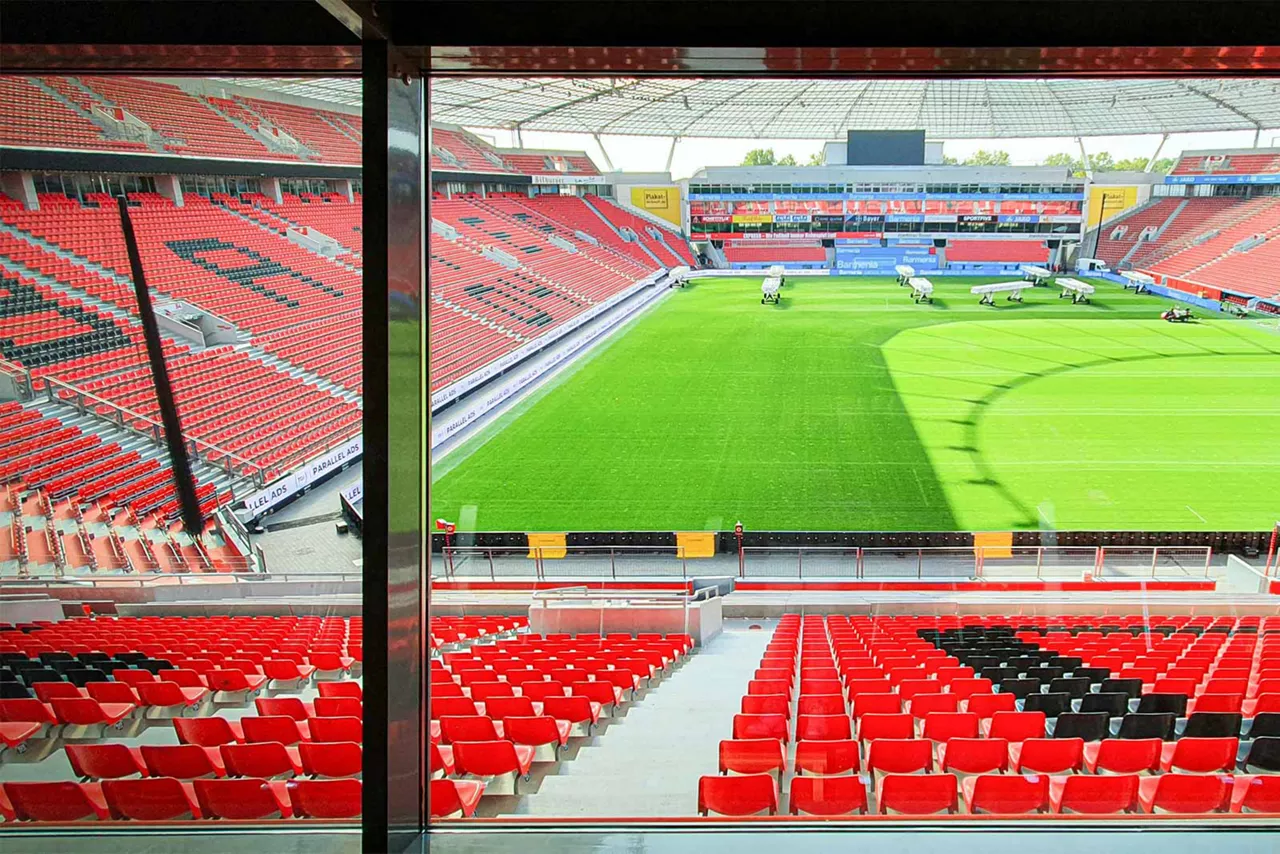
[(975, 563), (235, 466), (160, 579), (19, 378)]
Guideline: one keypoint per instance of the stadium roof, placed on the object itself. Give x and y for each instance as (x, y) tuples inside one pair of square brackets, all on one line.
[(824, 109), (332, 90)]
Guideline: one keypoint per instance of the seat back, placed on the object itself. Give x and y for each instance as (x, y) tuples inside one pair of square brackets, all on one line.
[(572, 709), (752, 756), (1148, 725), (279, 728), (337, 729), (338, 707), (1129, 756), (1050, 755), (896, 726), (942, 726), (182, 761), (1090, 726), (206, 732), (844, 795), (331, 759), (1115, 704), (1009, 794), (340, 689), (918, 794), (1192, 793), (743, 795), (290, 707), (827, 757), (486, 758), (155, 799), (769, 704), (60, 801), (760, 726), (829, 727), (976, 755), (900, 756), (102, 761), (240, 799), (258, 759), (1197, 755)]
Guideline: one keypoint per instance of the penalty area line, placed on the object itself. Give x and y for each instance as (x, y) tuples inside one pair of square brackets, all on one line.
[(1197, 515)]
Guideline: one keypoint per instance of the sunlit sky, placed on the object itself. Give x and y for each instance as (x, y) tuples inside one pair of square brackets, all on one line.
[(649, 154)]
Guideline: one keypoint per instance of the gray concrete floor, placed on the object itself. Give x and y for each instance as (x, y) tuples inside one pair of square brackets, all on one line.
[(647, 763)]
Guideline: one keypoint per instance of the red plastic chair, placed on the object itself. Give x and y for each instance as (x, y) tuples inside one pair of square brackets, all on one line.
[(1017, 726), (85, 718), (63, 801), (47, 692), (767, 704), (899, 756), (337, 729), (440, 757), (454, 707), (243, 798), (274, 728), (469, 728), (819, 704), (492, 759), (874, 725), (156, 799), (844, 795), (760, 726), (267, 760), (234, 686), (1185, 793), (1200, 755), (917, 794), (331, 759), (1006, 794), (582, 713), (105, 761), (875, 704), (285, 675), (338, 707), (748, 794), (827, 758), (1047, 756), (183, 761), (600, 692), (169, 699), (538, 731), (1256, 794), (340, 689), (943, 726), (923, 705), (973, 755), (208, 732), (455, 798), (769, 686), (1094, 795), (1124, 756), (752, 756), (823, 727), (985, 706), (541, 691), (290, 707)]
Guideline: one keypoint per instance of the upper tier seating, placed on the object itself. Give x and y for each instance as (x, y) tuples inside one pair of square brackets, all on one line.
[(739, 252), (186, 123), (458, 151), (574, 213), (546, 164), (330, 214), (1118, 235), (319, 130), (33, 118), (1202, 214), (997, 251), (1211, 261), (1235, 164), (1149, 714), (671, 249)]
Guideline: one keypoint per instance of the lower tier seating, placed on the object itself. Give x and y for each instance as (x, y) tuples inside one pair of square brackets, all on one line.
[(1006, 715), (181, 718)]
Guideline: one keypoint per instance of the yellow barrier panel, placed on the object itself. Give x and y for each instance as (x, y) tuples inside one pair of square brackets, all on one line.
[(696, 543), (993, 544), (551, 545)]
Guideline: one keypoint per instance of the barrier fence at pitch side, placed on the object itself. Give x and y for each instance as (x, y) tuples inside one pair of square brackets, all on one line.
[(975, 563)]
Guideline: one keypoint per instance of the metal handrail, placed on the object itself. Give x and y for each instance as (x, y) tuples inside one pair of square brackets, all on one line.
[(128, 419), (159, 579)]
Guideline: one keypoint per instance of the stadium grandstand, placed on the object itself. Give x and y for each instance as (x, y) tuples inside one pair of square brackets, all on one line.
[(869, 479)]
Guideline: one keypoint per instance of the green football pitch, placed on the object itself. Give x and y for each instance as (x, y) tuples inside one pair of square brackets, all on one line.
[(849, 407)]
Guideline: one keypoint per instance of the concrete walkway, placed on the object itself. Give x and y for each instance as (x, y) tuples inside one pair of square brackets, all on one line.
[(647, 763)]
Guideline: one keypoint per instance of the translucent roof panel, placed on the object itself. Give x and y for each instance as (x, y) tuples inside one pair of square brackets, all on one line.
[(825, 109)]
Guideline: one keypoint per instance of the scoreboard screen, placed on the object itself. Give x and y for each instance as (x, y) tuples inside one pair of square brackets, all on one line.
[(885, 148)]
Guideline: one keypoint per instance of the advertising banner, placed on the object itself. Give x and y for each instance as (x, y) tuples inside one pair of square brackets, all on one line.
[(659, 201), (295, 482), (752, 219), (793, 218)]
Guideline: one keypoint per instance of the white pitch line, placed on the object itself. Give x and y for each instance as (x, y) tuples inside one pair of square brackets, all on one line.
[(1197, 515)]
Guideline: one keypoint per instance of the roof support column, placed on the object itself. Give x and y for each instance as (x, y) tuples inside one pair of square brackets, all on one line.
[(603, 153), (1257, 134), (519, 138), (671, 152), (1152, 162), (1084, 159)]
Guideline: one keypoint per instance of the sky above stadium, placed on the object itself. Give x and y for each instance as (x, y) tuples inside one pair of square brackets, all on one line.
[(649, 154)]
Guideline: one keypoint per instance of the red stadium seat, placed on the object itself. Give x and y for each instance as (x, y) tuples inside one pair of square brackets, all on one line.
[(1185, 793), (156, 799), (761, 726), (327, 798), (105, 761), (1047, 756), (183, 761), (455, 798), (768, 704), (943, 726), (208, 732), (752, 756), (170, 700), (338, 707), (1094, 795), (1200, 755), (285, 675), (268, 760), (1256, 794), (340, 689), (899, 756), (826, 758), (1006, 794), (749, 794), (873, 726), (440, 757), (581, 713), (843, 795), (875, 704), (823, 727), (497, 758), (819, 704), (234, 686), (63, 801), (279, 728), (985, 706), (331, 759), (336, 729), (923, 705), (243, 798), (85, 718), (973, 755), (1017, 726), (543, 733), (917, 794), (290, 707), (1123, 756)]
